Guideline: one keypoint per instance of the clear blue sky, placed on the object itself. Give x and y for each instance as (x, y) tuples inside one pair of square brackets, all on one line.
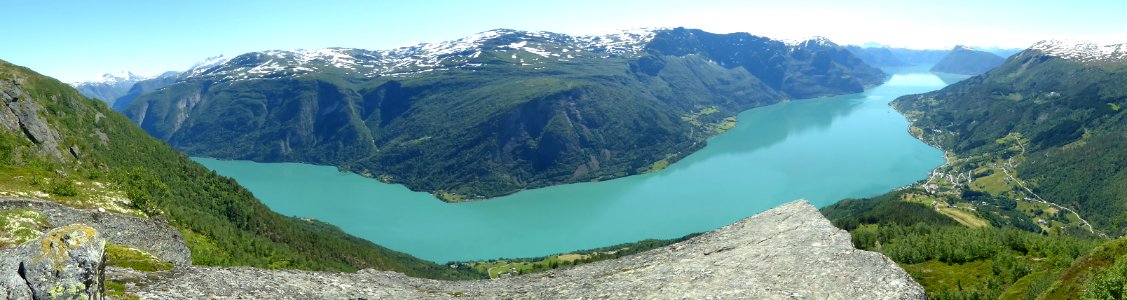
[(77, 40)]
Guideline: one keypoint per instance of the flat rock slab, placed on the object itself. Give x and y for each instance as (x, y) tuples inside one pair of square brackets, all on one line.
[(789, 252)]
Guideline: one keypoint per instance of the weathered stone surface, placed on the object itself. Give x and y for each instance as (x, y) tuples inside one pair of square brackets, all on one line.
[(12, 286), (152, 236), (19, 113), (790, 252), (66, 263)]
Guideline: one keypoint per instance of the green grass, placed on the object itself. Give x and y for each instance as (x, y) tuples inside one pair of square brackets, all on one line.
[(936, 276), (21, 225), (126, 257), (995, 183), (115, 290), (1071, 282), (964, 217)]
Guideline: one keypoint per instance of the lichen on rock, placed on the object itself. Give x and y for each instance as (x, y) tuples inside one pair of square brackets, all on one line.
[(65, 263)]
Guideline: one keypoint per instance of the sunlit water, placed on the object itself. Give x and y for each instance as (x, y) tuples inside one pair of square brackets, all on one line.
[(822, 150)]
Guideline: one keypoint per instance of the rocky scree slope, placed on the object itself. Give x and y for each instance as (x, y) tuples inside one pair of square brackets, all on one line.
[(496, 112), (789, 252)]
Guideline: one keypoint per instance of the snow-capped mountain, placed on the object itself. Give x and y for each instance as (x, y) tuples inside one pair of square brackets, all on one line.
[(501, 46), (109, 86), (113, 78), (204, 65), (529, 49), (1082, 51), (815, 41)]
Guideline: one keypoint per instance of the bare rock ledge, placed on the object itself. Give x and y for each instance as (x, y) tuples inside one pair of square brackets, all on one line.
[(789, 252)]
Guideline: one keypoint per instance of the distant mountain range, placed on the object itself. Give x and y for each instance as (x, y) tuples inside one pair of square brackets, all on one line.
[(496, 112), (967, 61), (109, 87), (885, 57), (119, 89)]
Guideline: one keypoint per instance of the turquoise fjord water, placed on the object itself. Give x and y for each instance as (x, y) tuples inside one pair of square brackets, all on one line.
[(822, 150)]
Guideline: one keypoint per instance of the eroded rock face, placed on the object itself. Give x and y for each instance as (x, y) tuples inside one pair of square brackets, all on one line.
[(19, 113), (790, 252), (65, 263)]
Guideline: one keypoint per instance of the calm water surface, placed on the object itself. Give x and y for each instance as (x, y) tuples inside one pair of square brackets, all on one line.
[(822, 150)]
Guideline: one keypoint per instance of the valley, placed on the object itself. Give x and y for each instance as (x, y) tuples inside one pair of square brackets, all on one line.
[(496, 112), (773, 155), (947, 150)]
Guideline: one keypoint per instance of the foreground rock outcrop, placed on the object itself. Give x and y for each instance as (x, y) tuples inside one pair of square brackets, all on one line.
[(151, 235), (65, 263), (785, 253)]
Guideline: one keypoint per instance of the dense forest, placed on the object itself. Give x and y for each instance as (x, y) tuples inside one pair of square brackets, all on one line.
[(954, 261)]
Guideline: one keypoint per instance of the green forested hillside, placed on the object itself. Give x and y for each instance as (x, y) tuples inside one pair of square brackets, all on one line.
[(1055, 124), (54, 139), (1032, 181), (953, 260)]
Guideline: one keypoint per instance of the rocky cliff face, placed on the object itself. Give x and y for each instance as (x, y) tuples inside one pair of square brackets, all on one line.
[(785, 253), (19, 113)]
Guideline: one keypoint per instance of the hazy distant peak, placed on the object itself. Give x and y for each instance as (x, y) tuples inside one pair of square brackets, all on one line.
[(963, 48), (113, 78)]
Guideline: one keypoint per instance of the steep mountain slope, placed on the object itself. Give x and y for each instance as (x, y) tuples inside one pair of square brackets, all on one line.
[(967, 61), (109, 87), (1050, 116), (77, 152), (496, 112)]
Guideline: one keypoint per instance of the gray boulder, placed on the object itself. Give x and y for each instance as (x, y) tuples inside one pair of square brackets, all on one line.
[(65, 263)]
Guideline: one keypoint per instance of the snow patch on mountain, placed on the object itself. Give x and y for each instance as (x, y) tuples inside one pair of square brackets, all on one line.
[(814, 41), (1082, 51), (205, 65), (522, 48)]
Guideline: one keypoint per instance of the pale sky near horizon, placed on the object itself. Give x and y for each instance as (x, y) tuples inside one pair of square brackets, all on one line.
[(76, 40)]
